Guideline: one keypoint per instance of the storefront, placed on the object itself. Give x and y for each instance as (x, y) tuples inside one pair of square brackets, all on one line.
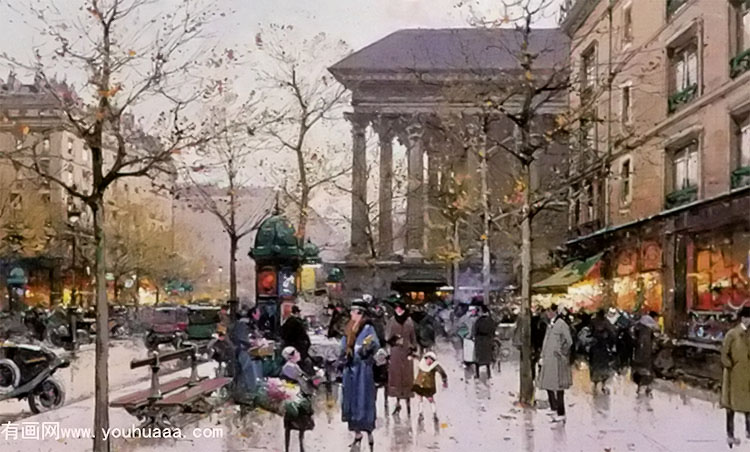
[(578, 286), (717, 280), (637, 278)]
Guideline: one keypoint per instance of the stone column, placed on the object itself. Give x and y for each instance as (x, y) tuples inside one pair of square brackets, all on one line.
[(415, 193), (384, 127), (359, 219)]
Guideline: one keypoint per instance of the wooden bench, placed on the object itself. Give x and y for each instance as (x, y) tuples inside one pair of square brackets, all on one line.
[(145, 405), (193, 399)]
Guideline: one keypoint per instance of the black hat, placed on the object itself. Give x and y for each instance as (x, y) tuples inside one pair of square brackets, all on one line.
[(477, 300), (295, 310), (360, 304), (744, 312)]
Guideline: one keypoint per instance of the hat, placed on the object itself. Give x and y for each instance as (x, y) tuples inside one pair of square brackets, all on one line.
[(288, 352), (359, 304), (478, 300), (295, 310), (430, 355), (744, 312)]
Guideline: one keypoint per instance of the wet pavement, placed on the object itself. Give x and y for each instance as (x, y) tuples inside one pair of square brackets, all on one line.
[(474, 415), (78, 378)]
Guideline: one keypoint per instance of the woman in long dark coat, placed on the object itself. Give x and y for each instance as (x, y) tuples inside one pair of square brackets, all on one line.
[(643, 353), (402, 339), (358, 346), (603, 338), (484, 336)]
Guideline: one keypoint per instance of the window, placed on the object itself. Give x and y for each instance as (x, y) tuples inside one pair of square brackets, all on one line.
[(627, 105), (742, 141), (626, 185), (16, 201), (742, 11), (69, 174), (685, 167), (45, 145), (44, 165), (70, 146), (590, 203), (627, 24), (46, 197), (684, 73), (684, 68), (588, 70)]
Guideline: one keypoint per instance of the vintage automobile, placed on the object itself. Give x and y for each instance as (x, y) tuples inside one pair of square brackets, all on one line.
[(26, 372), (167, 326)]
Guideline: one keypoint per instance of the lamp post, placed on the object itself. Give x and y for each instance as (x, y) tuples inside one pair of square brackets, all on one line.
[(73, 217)]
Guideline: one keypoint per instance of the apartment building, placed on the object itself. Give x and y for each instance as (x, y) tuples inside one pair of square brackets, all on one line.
[(668, 217), (27, 115)]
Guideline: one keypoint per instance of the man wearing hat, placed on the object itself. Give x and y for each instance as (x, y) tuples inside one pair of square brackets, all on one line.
[(735, 387), (294, 334), (556, 376)]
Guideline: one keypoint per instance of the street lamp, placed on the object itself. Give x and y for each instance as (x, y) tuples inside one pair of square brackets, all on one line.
[(73, 217)]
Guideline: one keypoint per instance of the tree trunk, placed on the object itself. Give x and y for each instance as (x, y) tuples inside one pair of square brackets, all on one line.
[(303, 207), (456, 261), (527, 382), (101, 377), (486, 265), (233, 267)]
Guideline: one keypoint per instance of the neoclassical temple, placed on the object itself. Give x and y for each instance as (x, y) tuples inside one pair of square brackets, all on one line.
[(426, 88)]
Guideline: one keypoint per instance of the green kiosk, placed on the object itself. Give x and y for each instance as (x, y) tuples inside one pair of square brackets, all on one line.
[(278, 256)]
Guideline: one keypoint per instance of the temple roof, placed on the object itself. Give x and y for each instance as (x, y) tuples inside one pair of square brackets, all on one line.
[(454, 50)]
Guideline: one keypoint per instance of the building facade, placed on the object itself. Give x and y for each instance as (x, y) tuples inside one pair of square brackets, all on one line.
[(674, 110), (427, 91), (44, 229)]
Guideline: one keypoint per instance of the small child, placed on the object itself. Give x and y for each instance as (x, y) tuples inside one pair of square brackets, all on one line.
[(425, 385)]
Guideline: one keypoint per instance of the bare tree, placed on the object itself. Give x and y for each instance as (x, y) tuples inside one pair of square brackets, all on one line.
[(309, 97), (221, 180), (124, 53)]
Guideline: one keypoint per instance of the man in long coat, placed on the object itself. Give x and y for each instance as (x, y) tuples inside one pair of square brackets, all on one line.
[(603, 337), (644, 333), (556, 376), (735, 388), (484, 336), (402, 339)]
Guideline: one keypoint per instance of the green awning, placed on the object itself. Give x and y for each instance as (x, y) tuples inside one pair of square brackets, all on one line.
[(572, 273)]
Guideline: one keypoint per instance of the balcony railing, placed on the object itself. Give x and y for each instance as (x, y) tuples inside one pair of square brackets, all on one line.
[(682, 97), (741, 177), (680, 197), (674, 5), (739, 64)]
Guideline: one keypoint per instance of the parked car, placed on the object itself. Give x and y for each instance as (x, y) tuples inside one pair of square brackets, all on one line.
[(26, 372), (167, 326)]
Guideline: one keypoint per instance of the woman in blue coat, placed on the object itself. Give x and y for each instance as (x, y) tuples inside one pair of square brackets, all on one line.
[(358, 347)]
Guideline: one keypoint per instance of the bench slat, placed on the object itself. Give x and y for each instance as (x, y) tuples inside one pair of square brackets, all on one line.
[(191, 394), (141, 397)]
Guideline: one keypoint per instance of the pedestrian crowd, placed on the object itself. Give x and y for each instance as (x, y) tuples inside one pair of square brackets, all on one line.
[(390, 345)]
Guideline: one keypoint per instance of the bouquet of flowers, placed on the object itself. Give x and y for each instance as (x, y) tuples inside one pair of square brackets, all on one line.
[(280, 397)]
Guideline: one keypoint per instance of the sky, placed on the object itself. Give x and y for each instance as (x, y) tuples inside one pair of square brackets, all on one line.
[(357, 22)]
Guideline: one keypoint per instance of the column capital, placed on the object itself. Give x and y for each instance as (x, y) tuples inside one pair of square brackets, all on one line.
[(359, 121), (411, 129), (385, 126)]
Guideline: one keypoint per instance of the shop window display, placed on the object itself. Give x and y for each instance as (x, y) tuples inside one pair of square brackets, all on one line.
[(718, 282)]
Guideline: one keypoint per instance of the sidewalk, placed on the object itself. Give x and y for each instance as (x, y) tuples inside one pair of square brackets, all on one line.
[(474, 416), (77, 417)]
